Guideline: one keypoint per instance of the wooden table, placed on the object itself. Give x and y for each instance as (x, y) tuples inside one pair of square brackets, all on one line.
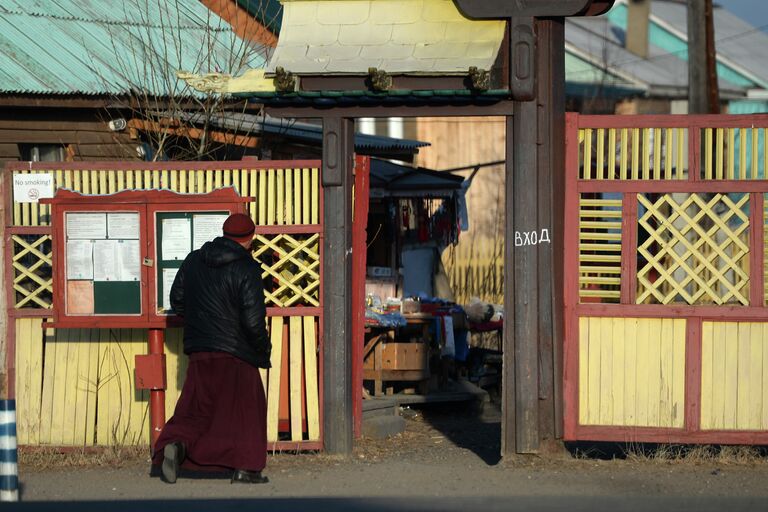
[(387, 359)]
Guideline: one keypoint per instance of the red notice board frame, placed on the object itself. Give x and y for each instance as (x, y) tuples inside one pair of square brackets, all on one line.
[(146, 203)]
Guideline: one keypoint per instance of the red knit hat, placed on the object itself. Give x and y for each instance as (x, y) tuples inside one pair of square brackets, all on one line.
[(239, 227)]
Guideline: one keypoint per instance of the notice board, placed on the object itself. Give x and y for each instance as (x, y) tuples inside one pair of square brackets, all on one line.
[(115, 257)]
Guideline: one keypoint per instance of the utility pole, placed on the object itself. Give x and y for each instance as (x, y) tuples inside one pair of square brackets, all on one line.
[(703, 94)]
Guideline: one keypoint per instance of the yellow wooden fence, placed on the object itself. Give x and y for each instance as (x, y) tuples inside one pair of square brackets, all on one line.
[(75, 387)]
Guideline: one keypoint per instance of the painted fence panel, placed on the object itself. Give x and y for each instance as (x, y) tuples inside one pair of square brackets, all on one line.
[(75, 387), (665, 293)]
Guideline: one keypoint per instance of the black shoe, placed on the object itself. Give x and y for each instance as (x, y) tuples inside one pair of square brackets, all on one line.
[(241, 476), (173, 456)]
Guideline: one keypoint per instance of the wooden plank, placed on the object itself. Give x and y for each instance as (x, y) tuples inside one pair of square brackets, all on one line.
[(764, 413), (731, 375), (296, 354), (273, 396), (584, 324), (666, 383), (288, 179), (606, 373), (297, 195), (306, 190), (643, 371), (619, 371), (91, 387), (593, 365), (70, 411), (654, 370), (315, 196), (600, 154), (25, 414), (630, 372), (756, 397), (743, 352), (60, 386), (717, 377), (678, 373), (103, 423), (657, 153), (262, 197), (46, 406), (623, 155), (311, 374), (271, 199)]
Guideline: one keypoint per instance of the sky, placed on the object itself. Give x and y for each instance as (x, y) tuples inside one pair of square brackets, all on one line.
[(754, 12)]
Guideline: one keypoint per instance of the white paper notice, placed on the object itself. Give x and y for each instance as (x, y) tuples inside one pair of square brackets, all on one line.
[(205, 228), (79, 259), (29, 188), (123, 225), (169, 274), (128, 260), (86, 226), (105, 260), (177, 239)]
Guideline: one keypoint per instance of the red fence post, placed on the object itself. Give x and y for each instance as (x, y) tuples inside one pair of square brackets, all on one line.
[(156, 396)]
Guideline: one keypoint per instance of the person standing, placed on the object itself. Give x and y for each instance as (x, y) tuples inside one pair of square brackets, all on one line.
[(220, 418)]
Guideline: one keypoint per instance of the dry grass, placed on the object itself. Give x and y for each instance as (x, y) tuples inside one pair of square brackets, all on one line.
[(720, 455), (43, 457)]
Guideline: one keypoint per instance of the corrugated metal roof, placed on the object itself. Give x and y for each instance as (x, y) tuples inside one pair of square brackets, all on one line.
[(598, 39), (735, 39), (112, 46)]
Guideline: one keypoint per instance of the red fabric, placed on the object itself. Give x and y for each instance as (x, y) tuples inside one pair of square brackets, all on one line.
[(238, 225), (221, 415)]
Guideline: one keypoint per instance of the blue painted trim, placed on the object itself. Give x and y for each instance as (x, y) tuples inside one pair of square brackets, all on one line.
[(8, 429), (9, 456)]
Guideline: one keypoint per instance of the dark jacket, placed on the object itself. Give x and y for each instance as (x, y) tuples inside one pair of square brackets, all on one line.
[(219, 292)]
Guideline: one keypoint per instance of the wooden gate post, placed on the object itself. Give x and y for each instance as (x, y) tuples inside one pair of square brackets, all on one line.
[(336, 177)]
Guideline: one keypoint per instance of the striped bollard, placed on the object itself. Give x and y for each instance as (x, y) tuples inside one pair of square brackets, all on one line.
[(9, 470)]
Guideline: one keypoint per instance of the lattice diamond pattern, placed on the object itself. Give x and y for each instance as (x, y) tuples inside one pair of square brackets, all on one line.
[(32, 276), (696, 250), (292, 262)]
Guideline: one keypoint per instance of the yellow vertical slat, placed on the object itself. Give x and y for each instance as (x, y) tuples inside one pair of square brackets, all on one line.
[(635, 153), (718, 375), (657, 153), (112, 182), (254, 192), (182, 182), (654, 370), (155, 176), (102, 182), (678, 373), (707, 370), (280, 196), (587, 163), (262, 197), (310, 377), (755, 157), (105, 375), (643, 370), (273, 394), (295, 376), (680, 153), (666, 375), (630, 375), (29, 342), (173, 183), (743, 154), (129, 180), (756, 397), (315, 194), (618, 371), (731, 375), (227, 178), (217, 179), (646, 154), (121, 180), (297, 196), (288, 196), (708, 153), (731, 153), (743, 352), (623, 156), (306, 201), (612, 153), (606, 373), (201, 185), (239, 181), (668, 153), (764, 383), (270, 196), (46, 405), (92, 387), (209, 184), (719, 170), (72, 395), (584, 324), (600, 154), (59, 384), (593, 387)]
